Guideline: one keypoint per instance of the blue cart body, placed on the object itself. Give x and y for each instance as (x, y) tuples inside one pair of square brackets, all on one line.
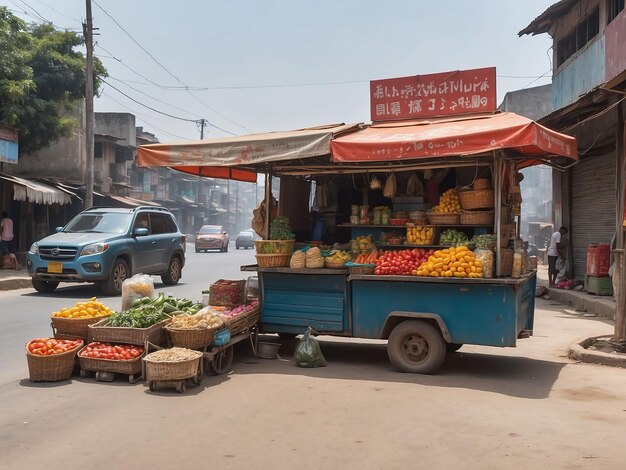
[(492, 312)]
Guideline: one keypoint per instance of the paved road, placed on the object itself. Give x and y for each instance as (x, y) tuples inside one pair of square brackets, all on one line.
[(487, 408)]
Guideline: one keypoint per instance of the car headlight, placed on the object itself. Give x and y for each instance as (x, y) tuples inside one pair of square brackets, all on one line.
[(34, 248), (94, 248)]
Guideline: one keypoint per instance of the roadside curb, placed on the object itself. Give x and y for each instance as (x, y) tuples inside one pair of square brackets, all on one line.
[(577, 351)]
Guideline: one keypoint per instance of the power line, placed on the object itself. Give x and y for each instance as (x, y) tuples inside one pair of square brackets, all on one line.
[(143, 119), (58, 11), (149, 107), (153, 98), (35, 11)]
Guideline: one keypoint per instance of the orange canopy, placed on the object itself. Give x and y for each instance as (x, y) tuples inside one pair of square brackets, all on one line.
[(444, 137)]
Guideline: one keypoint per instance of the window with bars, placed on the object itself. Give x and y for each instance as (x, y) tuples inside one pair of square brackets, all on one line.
[(576, 39), (613, 8)]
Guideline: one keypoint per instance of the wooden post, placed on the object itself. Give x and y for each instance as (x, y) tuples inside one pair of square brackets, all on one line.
[(497, 173), (620, 297), (268, 203)]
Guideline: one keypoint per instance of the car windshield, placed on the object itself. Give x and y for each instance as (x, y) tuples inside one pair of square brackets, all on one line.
[(211, 230), (99, 222), (245, 235)]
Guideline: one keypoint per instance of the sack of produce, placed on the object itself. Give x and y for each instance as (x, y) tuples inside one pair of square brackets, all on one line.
[(414, 186), (486, 257), (298, 260), (308, 352), (314, 259), (391, 186), (136, 287)]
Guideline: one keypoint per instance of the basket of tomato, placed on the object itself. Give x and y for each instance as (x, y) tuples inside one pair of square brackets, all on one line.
[(114, 358), (51, 359)]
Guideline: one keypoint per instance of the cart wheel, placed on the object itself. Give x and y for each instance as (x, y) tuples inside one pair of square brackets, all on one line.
[(222, 361), (196, 379), (453, 347), (131, 378), (151, 385), (181, 386), (416, 346), (83, 373)]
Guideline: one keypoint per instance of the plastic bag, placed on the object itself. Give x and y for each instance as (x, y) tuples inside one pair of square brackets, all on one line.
[(414, 186), (486, 257), (136, 287), (298, 260), (391, 186), (308, 352), (314, 259)]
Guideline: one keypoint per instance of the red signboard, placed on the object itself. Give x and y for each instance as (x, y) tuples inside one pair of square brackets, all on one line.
[(439, 94)]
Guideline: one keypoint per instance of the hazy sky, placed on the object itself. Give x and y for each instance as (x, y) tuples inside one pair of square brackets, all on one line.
[(263, 49)]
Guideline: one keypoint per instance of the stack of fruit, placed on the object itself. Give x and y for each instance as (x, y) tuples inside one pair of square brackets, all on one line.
[(451, 262), (448, 202), (89, 309), (420, 235), (401, 262), (337, 258)]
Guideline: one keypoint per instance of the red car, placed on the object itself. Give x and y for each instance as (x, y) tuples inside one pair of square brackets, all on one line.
[(211, 237)]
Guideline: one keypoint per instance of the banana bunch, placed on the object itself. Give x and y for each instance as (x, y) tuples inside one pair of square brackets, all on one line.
[(339, 257)]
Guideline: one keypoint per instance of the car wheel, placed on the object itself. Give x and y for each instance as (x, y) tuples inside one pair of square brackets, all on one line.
[(197, 250), (44, 286), (225, 249), (174, 272), (119, 273), (417, 347)]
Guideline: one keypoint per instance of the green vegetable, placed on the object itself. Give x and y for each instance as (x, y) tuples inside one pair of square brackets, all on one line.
[(169, 308), (280, 229)]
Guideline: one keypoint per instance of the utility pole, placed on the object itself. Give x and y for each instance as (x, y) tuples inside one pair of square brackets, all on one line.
[(202, 124), (198, 182), (89, 115)]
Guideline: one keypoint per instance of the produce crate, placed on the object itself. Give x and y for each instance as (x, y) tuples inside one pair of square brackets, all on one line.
[(244, 321), (481, 183), (179, 370), (129, 367), (73, 327), (227, 293), (273, 261), (51, 368), (104, 333), (191, 339), (364, 269)]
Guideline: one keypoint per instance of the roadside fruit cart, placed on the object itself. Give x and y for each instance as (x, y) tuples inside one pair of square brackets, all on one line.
[(424, 304)]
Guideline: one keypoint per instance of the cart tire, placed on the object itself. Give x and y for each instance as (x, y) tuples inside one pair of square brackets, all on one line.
[(181, 387), (151, 385), (222, 361), (83, 373), (453, 347), (105, 376), (417, 347), (131, 378)]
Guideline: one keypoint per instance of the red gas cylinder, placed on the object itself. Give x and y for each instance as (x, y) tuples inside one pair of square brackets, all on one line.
[(598, 259)]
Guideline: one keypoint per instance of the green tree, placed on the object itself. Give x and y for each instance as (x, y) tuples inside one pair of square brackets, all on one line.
[(42, 76)]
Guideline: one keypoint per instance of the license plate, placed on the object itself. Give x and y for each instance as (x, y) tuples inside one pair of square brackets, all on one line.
[(55, 267)]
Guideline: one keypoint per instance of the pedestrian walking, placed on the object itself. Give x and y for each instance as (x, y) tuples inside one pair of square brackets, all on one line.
[(6, 238), (556, 251)]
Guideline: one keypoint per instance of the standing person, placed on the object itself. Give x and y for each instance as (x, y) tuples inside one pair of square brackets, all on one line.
[(6, 238), (555, 251)]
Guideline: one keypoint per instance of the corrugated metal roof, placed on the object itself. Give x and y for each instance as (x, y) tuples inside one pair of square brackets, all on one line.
[(543, 22)]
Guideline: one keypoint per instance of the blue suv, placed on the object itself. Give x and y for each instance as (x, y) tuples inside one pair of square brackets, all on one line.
[(108, 245)]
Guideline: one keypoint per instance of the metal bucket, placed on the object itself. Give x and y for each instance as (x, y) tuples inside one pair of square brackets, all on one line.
[(267, 350)]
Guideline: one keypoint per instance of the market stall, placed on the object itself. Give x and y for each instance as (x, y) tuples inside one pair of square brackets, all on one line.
[(426, 262)]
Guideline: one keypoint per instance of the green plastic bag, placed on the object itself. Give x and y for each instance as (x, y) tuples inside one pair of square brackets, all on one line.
[(308, 352)]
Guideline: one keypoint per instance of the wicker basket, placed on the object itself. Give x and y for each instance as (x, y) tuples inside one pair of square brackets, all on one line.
[(446, 218), (278, 247), (334, 265), (129, 367), (506, 266), (273, 261), (172, 370), (365, 269), (73, 327), (110, 334), (507, 231), (191, 339), (477, 217), (51, 368), (481, 183), (244, 321), (478, 199)]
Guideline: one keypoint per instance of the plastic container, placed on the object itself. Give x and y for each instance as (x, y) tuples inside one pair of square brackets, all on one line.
[(354, 209), (598, 259), (355, 219), (517, 264), (386, 215)]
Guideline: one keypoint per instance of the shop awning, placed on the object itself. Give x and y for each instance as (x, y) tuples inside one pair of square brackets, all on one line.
[(132, 202), (241, 157), (445, 137), (36, 192)]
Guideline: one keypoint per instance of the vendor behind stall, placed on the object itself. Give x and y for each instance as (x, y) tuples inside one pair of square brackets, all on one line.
[(437, 183)]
